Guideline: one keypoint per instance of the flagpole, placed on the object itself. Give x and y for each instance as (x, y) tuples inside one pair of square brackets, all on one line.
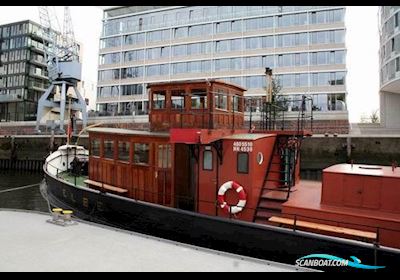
[(69, 130)]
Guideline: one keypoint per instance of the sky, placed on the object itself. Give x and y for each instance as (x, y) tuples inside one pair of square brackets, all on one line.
[(362, 42)]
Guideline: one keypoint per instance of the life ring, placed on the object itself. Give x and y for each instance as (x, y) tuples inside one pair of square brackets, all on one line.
[(242, 197)]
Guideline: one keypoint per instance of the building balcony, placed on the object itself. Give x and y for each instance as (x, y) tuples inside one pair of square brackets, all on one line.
[(6, 98)]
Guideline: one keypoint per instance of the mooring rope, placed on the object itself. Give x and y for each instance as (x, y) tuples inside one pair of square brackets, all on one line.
[(20, 188)]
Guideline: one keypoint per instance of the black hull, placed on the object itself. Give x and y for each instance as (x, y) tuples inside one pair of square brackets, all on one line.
[(249, 239)]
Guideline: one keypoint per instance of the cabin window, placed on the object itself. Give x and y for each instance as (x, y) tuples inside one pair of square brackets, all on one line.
[(207, 160), (243, 163), (95, 148), (109, 149), (123, 151), (159, 100), (199, 99), (164, 156), (221, 100), (141, 153), (236, 104), (178, 99)]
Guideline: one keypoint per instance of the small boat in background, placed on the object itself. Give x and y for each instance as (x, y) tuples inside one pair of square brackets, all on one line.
[(204, 176)]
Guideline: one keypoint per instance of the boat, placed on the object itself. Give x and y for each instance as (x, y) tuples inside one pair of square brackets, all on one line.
[(203, 175)]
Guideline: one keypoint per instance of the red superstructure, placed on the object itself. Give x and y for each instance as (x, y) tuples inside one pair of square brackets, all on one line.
[(200, 156)]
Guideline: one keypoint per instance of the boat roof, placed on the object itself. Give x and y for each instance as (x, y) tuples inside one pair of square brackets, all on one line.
[(248, 136), (121, 131), (29, 243), (364, 169)]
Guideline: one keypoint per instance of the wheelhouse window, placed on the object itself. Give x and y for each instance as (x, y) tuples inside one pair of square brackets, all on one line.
[(207, 160), (109, 149), (221, 100), (199, 99), (159, 100), (123, 151), (236, 104), (243, 163), (141, 153), (95, 148), (178, 99)]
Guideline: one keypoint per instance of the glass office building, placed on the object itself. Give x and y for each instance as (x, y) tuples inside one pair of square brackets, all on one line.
[(304, 45), (23, 71), (389, 60)]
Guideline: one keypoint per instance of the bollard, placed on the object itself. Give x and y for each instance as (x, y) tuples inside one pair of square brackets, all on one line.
[(56, 214), (67, 216)]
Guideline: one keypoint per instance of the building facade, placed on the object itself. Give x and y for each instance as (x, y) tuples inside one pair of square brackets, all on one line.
[(304, 45), (389, 60), (23, 71)]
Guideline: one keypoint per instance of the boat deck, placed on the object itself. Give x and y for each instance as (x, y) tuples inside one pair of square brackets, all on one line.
[(306, 205), (308, 197), (80, 180), (29, 243)]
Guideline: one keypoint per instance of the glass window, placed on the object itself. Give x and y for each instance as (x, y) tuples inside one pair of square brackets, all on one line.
[(196, 30), (159, 100), (207, 160), (236, 44), (123, 151), (164, 156), (181, 32), (95, 147), (222, 46), (236, 26), (223, 27), (141, 153), (109, 149), (179, 50), (221, 100), (177, 99), (199, 99), (243, 163)]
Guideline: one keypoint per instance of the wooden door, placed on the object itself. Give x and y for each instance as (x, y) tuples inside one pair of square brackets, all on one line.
[(163, 174)]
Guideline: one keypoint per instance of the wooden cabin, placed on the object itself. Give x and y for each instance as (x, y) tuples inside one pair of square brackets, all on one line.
[(209, 104), (197, 143)]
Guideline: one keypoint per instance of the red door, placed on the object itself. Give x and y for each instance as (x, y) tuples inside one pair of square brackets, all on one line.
[(163, 173)]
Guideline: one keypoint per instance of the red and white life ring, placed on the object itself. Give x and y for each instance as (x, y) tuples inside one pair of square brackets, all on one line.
[(242, 197)]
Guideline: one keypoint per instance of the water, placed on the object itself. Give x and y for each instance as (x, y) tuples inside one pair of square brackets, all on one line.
[(311, 174), (27, 198)]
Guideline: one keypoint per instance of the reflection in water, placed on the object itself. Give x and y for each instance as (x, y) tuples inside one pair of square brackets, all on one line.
[(27, 198)]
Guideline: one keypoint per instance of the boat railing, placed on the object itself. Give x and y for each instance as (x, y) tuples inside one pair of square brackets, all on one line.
[(58, 170), (295, 114)]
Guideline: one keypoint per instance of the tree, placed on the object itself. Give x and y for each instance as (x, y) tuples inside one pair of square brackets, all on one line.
[(374, 117)]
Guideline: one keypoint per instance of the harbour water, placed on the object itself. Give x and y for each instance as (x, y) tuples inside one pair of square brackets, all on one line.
[(18, 190)]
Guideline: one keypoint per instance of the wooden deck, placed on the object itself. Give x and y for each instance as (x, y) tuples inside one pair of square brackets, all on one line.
[(323, 227)]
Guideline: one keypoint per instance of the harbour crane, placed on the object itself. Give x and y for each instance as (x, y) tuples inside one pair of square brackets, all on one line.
[(62, 57)]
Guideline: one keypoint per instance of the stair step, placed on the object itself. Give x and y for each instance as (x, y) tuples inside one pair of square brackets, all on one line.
[(274, 195), (266, 204), (280, 189), (266, 214)]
